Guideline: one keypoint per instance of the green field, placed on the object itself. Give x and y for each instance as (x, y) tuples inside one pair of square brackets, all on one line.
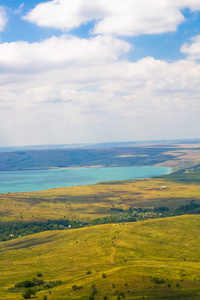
[(89, 202), (155, 259)]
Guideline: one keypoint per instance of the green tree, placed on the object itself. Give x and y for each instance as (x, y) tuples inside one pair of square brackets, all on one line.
[(28, 292)]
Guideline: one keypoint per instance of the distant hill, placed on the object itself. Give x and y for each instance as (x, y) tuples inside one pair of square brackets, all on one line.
[(60, 158), (99, 145), (119, 154)]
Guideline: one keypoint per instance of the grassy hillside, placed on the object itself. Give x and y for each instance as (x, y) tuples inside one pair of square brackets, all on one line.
[(155, 259), (190, 175), (98, 200)]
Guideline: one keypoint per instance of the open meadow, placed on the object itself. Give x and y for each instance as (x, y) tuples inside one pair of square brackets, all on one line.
[(155, 259), (98, 200)]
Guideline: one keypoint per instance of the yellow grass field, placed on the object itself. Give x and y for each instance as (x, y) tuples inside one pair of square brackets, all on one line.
[(92, 201), (132, 256)]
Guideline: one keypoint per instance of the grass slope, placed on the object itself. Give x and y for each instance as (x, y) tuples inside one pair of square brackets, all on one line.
[(88, 202), (191, 175), (132, 256)]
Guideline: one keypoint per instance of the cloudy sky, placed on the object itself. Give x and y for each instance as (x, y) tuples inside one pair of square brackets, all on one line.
[(79, 71)]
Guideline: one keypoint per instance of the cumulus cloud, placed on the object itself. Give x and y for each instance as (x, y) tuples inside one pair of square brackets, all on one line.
[(69, 89), (135, 18), (119, 17), (3, 18), (63, 14), (60, 52), (193, 49)]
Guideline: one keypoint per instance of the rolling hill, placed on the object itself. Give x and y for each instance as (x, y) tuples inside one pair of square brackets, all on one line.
[(155, 259)]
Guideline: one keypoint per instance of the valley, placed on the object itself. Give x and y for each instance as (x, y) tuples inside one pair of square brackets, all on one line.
[(132, 239)]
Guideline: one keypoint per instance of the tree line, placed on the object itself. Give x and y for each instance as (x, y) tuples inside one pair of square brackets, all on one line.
[(10, 231)]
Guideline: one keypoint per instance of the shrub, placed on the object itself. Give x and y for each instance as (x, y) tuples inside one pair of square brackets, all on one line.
[(75, 287), (38, 281), (26, 284), (39, 275), (157, 280), (104, 275), (94, 289), (28, 292)]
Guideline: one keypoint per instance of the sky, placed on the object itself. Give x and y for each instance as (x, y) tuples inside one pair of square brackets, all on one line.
[(88, 71)]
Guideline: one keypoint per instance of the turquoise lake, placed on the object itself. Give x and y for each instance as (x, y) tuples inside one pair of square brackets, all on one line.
[(38, 180)]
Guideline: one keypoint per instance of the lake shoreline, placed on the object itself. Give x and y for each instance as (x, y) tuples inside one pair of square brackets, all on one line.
[(37, 180)]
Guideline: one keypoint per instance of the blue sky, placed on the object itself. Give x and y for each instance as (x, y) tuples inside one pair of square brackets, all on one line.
[(97, 71)]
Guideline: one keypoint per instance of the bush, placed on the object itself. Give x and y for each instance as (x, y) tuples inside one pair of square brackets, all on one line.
[(39, 275), (94, 289), (28, 292), (38, 281), (75, 287), (157, 280), (104, 275), (26, 284)]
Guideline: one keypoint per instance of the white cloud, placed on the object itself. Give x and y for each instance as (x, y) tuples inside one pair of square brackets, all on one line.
[(119, 17), (66, 90), (193, 49), (3, 18), (143, 17), (192, 4), (60, 52), (63, 14), (19, 9)]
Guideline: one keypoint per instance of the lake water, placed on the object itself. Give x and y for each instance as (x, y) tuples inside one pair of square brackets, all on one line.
[(38, 180)]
